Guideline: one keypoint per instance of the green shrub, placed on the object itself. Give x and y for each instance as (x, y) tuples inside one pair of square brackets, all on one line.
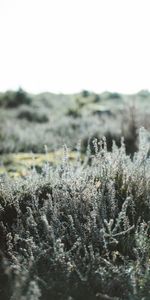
[(73, 113), (85, 93), (114, 96), (12, 99), (96, 98), (32, 116)]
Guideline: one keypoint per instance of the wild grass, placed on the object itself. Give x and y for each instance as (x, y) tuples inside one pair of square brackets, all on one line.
[(78, 231)]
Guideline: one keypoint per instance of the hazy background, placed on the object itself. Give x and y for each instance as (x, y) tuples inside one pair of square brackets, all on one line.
[(70, 45)]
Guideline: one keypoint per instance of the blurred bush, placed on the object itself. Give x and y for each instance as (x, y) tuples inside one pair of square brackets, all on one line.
[(85, 93), (114, 96), (73, 112), (32, 115), (12, 99)]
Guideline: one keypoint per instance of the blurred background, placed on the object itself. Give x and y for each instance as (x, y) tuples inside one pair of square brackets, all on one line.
[(72, 71)]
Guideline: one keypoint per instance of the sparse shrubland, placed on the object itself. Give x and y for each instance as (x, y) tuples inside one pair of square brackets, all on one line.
[(78, 231), (27, 122)]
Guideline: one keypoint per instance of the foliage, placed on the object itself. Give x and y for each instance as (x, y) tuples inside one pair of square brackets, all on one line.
[(73, 112), (64, 119), (114, 96), (78, 231), (32, 115), (14, 99), (85, 93)]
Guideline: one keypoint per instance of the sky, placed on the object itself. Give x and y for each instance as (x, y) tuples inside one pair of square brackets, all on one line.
[(65, 46)]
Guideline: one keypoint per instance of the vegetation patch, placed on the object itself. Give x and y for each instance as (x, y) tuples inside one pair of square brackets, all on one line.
[(20, 164), (32, 116), (78, 230), (74, 222), (13, 99)]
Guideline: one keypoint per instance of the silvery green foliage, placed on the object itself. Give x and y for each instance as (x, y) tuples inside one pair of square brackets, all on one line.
[(46, 120), (80, 230)]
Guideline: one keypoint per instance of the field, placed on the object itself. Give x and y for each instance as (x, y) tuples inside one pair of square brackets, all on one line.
[(74, 196)]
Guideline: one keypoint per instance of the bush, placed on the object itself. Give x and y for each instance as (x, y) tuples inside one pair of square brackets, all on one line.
[(85, 93), (14, 99), (96, 98), (32, 116), (73, 113), (78, 231), (114, 96)]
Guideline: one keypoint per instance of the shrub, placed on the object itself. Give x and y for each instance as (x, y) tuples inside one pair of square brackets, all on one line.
[(130, 128), (78, 231), (32, 116), (14, 99), (85, 93), (114, 96), (73, 113), (96, 98)]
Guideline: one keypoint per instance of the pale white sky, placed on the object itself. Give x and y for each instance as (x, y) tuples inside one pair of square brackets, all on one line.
[(70, 45)]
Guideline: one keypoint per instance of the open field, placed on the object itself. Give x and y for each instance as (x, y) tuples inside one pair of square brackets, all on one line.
[(74, 196)]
